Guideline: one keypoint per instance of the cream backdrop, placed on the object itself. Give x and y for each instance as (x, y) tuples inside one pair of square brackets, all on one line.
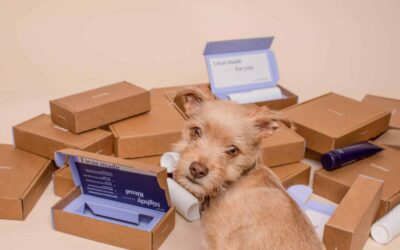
[(49, 49)]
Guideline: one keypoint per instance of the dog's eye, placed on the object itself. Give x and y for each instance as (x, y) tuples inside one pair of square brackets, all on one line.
[(232, 151), (195, 132)]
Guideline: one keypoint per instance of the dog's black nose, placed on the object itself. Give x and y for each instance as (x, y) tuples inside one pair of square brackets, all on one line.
[(198, 170)]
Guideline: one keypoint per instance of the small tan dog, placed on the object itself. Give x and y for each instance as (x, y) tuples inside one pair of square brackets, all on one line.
[(221, 163)]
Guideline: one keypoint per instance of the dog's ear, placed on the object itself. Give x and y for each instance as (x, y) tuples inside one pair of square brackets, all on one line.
[(191, 99), (265, 121)]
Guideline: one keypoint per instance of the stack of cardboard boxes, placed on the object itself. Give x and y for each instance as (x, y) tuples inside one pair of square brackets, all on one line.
[(139, 125), (123, 120)]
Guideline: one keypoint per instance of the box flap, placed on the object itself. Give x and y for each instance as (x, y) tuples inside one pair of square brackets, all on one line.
[(333, 115), (43, 126), (125, 181), (239, 45), (17, 171), (97, 97)]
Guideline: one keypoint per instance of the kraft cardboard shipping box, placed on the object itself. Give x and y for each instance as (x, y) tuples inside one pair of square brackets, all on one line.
[(23, 179), (390, 138), (98, 107), (119, 202), (64, 183), (41, 136), (389, 104), (149, 134), (384, 165), (350, 224), (293, 174), (333, 121)]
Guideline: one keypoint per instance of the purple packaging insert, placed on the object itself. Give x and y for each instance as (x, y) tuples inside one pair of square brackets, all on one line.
[(237, 50), (115, 193)]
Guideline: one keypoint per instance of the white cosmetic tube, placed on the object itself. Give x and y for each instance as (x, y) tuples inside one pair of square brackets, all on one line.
[(186, 204), (388, 227), (258, 95)]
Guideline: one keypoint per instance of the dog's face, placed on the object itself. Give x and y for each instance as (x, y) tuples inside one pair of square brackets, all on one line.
[(219, 142)]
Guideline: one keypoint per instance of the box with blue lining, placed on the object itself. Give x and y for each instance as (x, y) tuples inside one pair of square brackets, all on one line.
[(246, 71), (119, 202)]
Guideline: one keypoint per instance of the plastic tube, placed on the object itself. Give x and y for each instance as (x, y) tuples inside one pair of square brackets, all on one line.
[(341, 157), (388, 227)]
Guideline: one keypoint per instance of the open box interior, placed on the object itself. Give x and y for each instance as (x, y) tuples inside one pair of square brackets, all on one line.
[(115, 193)]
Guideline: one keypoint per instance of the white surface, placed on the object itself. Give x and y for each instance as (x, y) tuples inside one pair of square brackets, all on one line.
[(259, 95), (169, 160), (185, 203)]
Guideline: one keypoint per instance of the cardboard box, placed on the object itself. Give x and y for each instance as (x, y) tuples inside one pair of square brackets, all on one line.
[(23, 179), (293, 174), (63, 182), (390, 138), (151, 133), (333, 121), (130, 208), (41, 136), (388, 104), (283, 147), (384, 165), (95, 108), (350, 225)]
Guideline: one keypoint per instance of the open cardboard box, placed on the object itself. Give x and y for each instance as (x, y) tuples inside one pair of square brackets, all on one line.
[(151, 133), (64, 183), (41, 136), (333, 185), (388, 104), (23, 179), (118, 202), (98, 107), (350, 224), (333, 121), (293, 174)]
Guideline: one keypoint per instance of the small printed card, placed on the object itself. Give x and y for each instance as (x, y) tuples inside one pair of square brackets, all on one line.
[(240, 65)]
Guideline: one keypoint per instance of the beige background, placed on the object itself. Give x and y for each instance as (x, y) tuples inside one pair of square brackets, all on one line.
[(52, 48)]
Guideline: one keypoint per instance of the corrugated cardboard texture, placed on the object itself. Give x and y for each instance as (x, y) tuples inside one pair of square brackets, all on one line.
[(390, 138), (292, 174), (383, 165), (151, 133), (41, 136), (23, 178), (63, 182), (283, 147), (107, 232), (333, 121), (350, 225), (388, 104), (95, 108)]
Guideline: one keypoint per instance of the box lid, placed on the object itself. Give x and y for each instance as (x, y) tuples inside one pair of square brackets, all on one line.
[(97, 97), (42, 125), (111, 178), (389, 104), (238, 45), (17, 171), (240, 65), (333, 115), (163, 118)]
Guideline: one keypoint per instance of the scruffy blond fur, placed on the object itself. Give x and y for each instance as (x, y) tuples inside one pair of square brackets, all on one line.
[(249, 208)]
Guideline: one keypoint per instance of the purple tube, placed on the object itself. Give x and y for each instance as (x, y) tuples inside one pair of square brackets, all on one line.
[(343, 156)]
